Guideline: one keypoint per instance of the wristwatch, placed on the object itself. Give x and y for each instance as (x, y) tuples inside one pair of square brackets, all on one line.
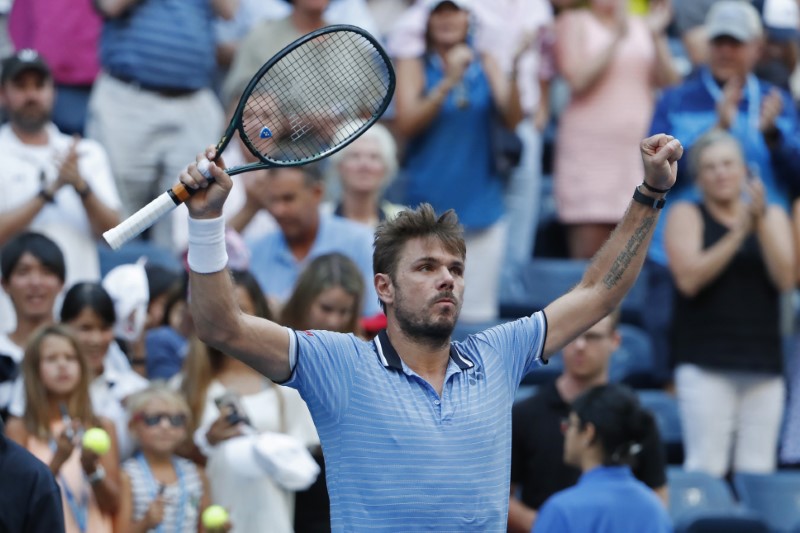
[(649, 201)]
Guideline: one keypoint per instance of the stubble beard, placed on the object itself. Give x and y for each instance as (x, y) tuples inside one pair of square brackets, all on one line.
[(434, 333)]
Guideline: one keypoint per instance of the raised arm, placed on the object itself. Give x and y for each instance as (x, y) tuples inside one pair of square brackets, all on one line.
[(615, 267), (218, 320)]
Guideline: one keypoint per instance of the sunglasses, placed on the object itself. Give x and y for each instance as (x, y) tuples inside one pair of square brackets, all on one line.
[(176, 421)]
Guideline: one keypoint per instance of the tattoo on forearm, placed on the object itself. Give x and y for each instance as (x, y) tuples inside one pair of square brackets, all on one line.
[(625, 257)]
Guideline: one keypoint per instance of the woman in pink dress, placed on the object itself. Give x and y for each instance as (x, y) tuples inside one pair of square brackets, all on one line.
[(57, 412), (613, 62)]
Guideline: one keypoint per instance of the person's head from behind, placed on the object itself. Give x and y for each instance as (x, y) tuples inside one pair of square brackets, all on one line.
[(159, 419), (419, 271), (292, 197), (26, 90), (587, 357), (327, 296), (735, 35), (718, 165), (89, 310), (55, 373), (367, 165), (33, 273), (606, 426), (448, 23)]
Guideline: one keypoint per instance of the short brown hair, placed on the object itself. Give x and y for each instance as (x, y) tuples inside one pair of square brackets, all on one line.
[(422, 222)]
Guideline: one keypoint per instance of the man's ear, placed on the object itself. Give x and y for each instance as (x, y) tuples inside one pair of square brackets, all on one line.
[(384, 288), (588, 433)]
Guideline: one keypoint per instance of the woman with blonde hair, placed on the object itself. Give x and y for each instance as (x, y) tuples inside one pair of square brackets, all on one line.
[(362, 171), (58, 410), (731, 255)]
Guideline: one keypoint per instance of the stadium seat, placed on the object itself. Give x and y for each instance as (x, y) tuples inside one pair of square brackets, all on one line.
[(701, 503), (776, 497), (543, 280), (634, 361), (664, 407), (132, 251)]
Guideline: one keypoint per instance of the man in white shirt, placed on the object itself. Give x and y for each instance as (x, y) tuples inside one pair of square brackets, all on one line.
[(52, 183)]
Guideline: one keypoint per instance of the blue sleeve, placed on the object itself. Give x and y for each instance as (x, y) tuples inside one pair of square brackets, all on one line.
[(324, 373), (661, 122), (786, 155), (519, 343), (551, 519)]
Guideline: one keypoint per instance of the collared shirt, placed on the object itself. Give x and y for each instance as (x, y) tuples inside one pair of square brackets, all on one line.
[(401, 457), (688, 110), (537, 449), (277, 270), (607, 499), (167, 44), (27, 168)]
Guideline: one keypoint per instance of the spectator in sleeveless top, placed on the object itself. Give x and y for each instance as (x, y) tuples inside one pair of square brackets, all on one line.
[(451, 92), (613, 62), (731, 256)]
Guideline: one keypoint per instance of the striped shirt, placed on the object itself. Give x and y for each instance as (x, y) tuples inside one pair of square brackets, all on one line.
[(398, 456), (161, 43), (177, 518)]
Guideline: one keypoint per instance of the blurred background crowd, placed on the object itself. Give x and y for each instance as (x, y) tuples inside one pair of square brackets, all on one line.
[(525, 116)]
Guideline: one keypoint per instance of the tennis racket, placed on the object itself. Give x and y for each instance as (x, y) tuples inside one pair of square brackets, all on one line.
[(311, 99)]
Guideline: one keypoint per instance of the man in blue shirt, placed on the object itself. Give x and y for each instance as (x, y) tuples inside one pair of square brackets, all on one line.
[(153, 102), (292, 196), (415, 429)]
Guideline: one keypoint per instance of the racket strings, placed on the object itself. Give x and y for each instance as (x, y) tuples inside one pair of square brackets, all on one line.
[(316, 97)]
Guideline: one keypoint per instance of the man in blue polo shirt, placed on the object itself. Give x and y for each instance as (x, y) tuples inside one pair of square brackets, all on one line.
[(415, 429)]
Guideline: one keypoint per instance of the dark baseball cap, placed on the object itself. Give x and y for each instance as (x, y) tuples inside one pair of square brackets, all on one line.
[(22, 61)]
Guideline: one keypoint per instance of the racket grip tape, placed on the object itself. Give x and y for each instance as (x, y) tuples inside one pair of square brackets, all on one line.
[(145, 217)]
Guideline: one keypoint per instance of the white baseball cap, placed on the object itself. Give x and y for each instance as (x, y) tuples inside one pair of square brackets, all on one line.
[(733, 18)]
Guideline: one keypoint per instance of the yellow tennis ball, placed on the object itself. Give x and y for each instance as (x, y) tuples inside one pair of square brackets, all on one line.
[(97, 441), (215, 517)]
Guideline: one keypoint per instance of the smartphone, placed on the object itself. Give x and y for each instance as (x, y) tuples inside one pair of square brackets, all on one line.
[(231, 404)]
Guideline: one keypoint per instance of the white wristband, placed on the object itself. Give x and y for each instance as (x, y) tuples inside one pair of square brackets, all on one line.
[(207, 253)]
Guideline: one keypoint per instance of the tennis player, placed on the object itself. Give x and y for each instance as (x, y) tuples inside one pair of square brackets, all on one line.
[(416, 430)]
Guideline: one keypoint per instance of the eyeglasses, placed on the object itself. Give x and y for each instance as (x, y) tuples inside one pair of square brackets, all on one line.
[(176, 421), (565, 423)]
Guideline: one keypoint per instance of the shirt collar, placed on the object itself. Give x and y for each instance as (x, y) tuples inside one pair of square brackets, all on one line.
[(391, 359)]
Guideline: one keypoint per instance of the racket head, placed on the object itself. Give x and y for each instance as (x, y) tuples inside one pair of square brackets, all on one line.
[(313, 98)]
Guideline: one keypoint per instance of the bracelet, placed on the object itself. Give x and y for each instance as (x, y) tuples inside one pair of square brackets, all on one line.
[(85, 192), (207, 252), (653, 189), (47, 196), (649, 201)]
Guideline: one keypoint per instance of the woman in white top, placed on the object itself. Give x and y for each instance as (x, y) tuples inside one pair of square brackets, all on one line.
[(232, 400)]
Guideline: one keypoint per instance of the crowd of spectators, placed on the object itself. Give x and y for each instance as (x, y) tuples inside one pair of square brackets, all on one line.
[(106, 101)]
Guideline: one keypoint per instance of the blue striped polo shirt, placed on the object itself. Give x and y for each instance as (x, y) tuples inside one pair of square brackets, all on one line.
[(398, 456), (161, 43)]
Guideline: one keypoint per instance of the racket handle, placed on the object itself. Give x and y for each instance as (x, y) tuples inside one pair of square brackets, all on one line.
[(142, 219), (203, 168)]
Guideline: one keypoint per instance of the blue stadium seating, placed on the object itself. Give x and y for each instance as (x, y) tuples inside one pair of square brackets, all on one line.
[(543, 280), (776, 497), (700, 503), (132, 251), (664, 407), (634, 361)]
